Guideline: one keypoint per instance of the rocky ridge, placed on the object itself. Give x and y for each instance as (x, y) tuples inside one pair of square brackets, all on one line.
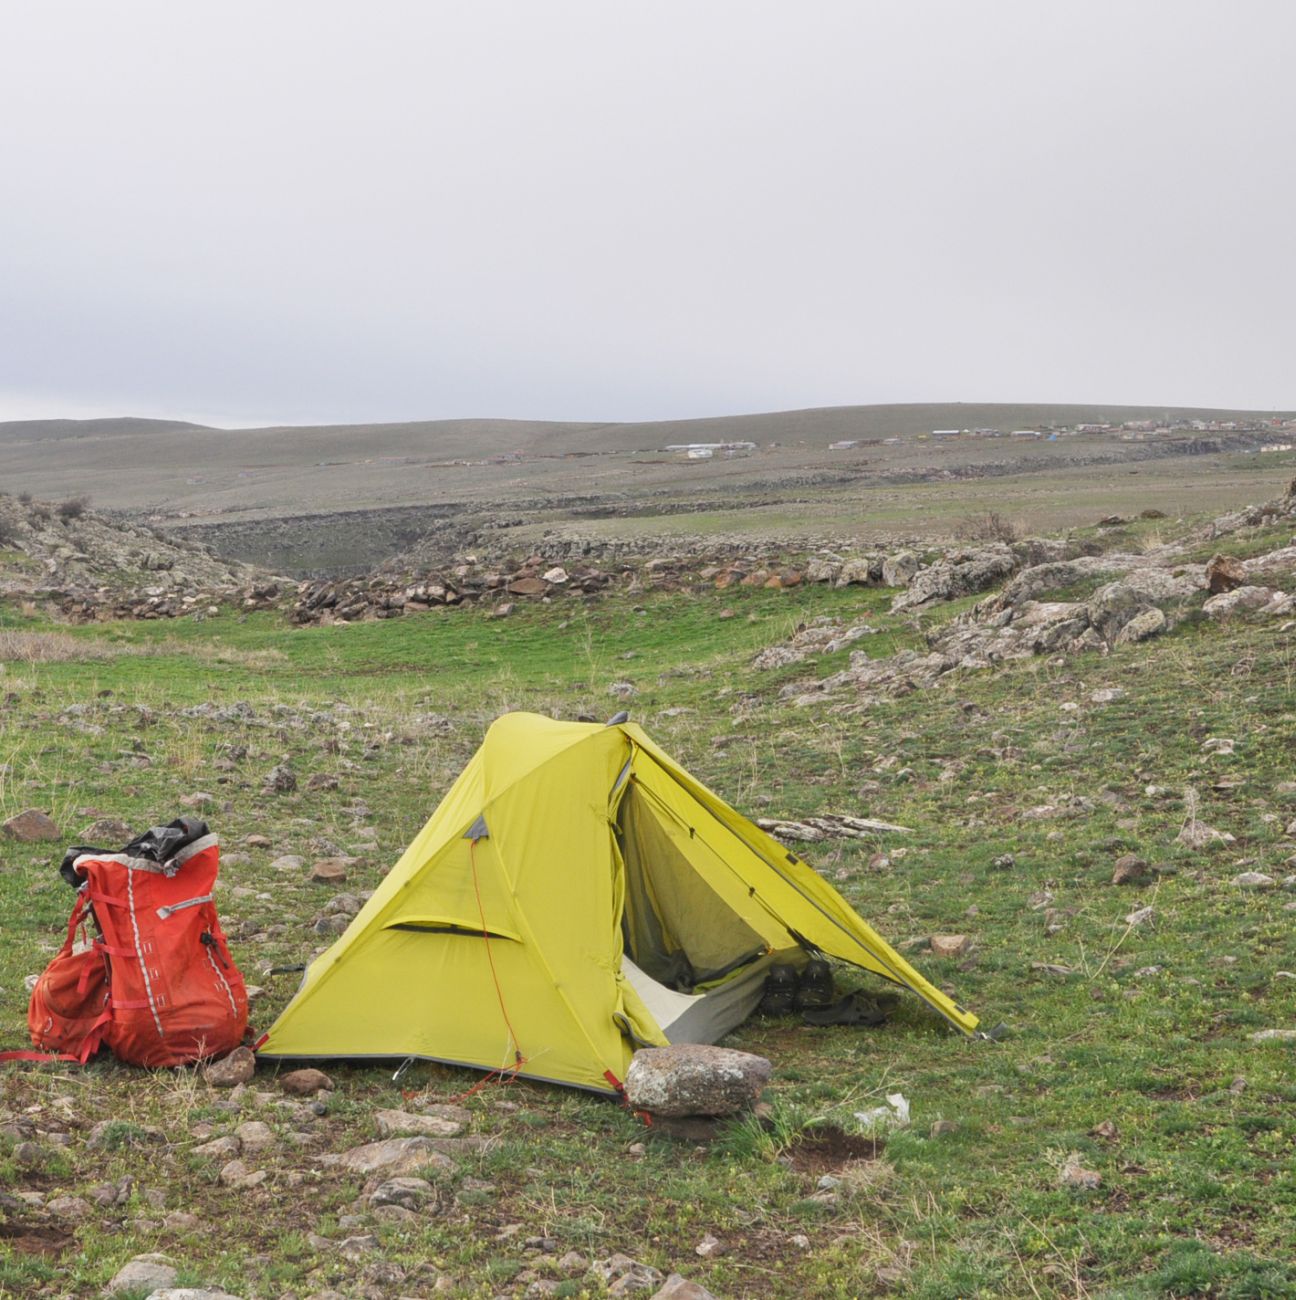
[(84, 565), (1143, 595), (87, 567)]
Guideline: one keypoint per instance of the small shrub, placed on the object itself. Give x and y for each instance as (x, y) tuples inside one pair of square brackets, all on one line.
[(989, 527), (73, 508)]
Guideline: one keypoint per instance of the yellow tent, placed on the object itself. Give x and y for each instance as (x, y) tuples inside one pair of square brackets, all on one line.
[(572, 875)]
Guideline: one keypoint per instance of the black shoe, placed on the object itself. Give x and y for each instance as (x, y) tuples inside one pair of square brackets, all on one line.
[(815, 986), (779, 993), (854, 1009)]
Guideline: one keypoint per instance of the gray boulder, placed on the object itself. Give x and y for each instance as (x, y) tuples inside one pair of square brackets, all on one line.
[(1032, 583), (899, 569), (960, 574), (144, 1273), (1148, 623), (695, 1079), (1237, 601), (1133, 599)]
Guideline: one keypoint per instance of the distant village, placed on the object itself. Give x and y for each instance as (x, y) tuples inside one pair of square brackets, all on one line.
[(1125, 431)]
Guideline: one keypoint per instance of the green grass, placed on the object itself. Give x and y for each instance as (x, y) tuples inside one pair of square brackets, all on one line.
[(1198, 1195)]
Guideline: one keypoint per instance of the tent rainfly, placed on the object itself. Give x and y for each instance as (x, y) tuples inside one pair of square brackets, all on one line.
[(576, 895)]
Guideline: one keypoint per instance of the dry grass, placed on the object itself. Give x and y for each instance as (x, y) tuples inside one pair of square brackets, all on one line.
[(32, 648), (55, 648)]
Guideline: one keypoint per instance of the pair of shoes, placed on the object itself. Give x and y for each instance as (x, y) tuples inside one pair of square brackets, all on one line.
[(815, 986), (779, 993), (856, 1008), (785, 991)]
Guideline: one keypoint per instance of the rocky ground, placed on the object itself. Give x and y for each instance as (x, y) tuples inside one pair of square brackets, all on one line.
[(1091, 838), (1140, 595), (88, 567), (80, 563)]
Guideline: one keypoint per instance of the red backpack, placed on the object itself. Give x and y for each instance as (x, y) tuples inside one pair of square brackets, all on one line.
[(154, 981)]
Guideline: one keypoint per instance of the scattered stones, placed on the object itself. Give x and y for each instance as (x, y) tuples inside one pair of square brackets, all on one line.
[(394, 1156), (288, 862), (958, 573), (281, 779), (1074, 1174), (254, 1135), (1149, 623), (1239, 600), (238, 1067), (625, 1276), (1273, 1036), (1196, 835), (397, 1123), (950, 945), (811, 830), (695, 1079), (105, 832), (31, 827), (142, 1274), (1052, 968), (408, 1193), (237, 1174), (1130, 869), (357, 1247), (1254, 880), (1225, 573), (115, 1134), (821, 636), (305, 1083), (74, 1208), (189, 1292), (331, 871), (899, 569), (678, 1287), (222, 1148)]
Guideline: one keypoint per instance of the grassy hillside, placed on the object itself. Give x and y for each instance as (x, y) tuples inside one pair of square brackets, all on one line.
[(181, 471), (1129, 1043)]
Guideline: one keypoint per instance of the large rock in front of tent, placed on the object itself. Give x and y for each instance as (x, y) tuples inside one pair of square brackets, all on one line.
[(694, 1079)]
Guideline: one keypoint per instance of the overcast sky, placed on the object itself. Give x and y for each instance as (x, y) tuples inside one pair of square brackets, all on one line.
[(604, 209)]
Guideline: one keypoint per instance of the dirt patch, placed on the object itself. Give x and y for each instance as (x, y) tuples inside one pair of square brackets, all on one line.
[(35, 1239), (828, 1147)]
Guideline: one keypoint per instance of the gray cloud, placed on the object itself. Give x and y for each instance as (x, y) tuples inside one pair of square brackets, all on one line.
[(323, 211)]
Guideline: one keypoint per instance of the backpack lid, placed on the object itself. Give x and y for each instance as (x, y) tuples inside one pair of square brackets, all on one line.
[(157, 844), (160, 843)]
